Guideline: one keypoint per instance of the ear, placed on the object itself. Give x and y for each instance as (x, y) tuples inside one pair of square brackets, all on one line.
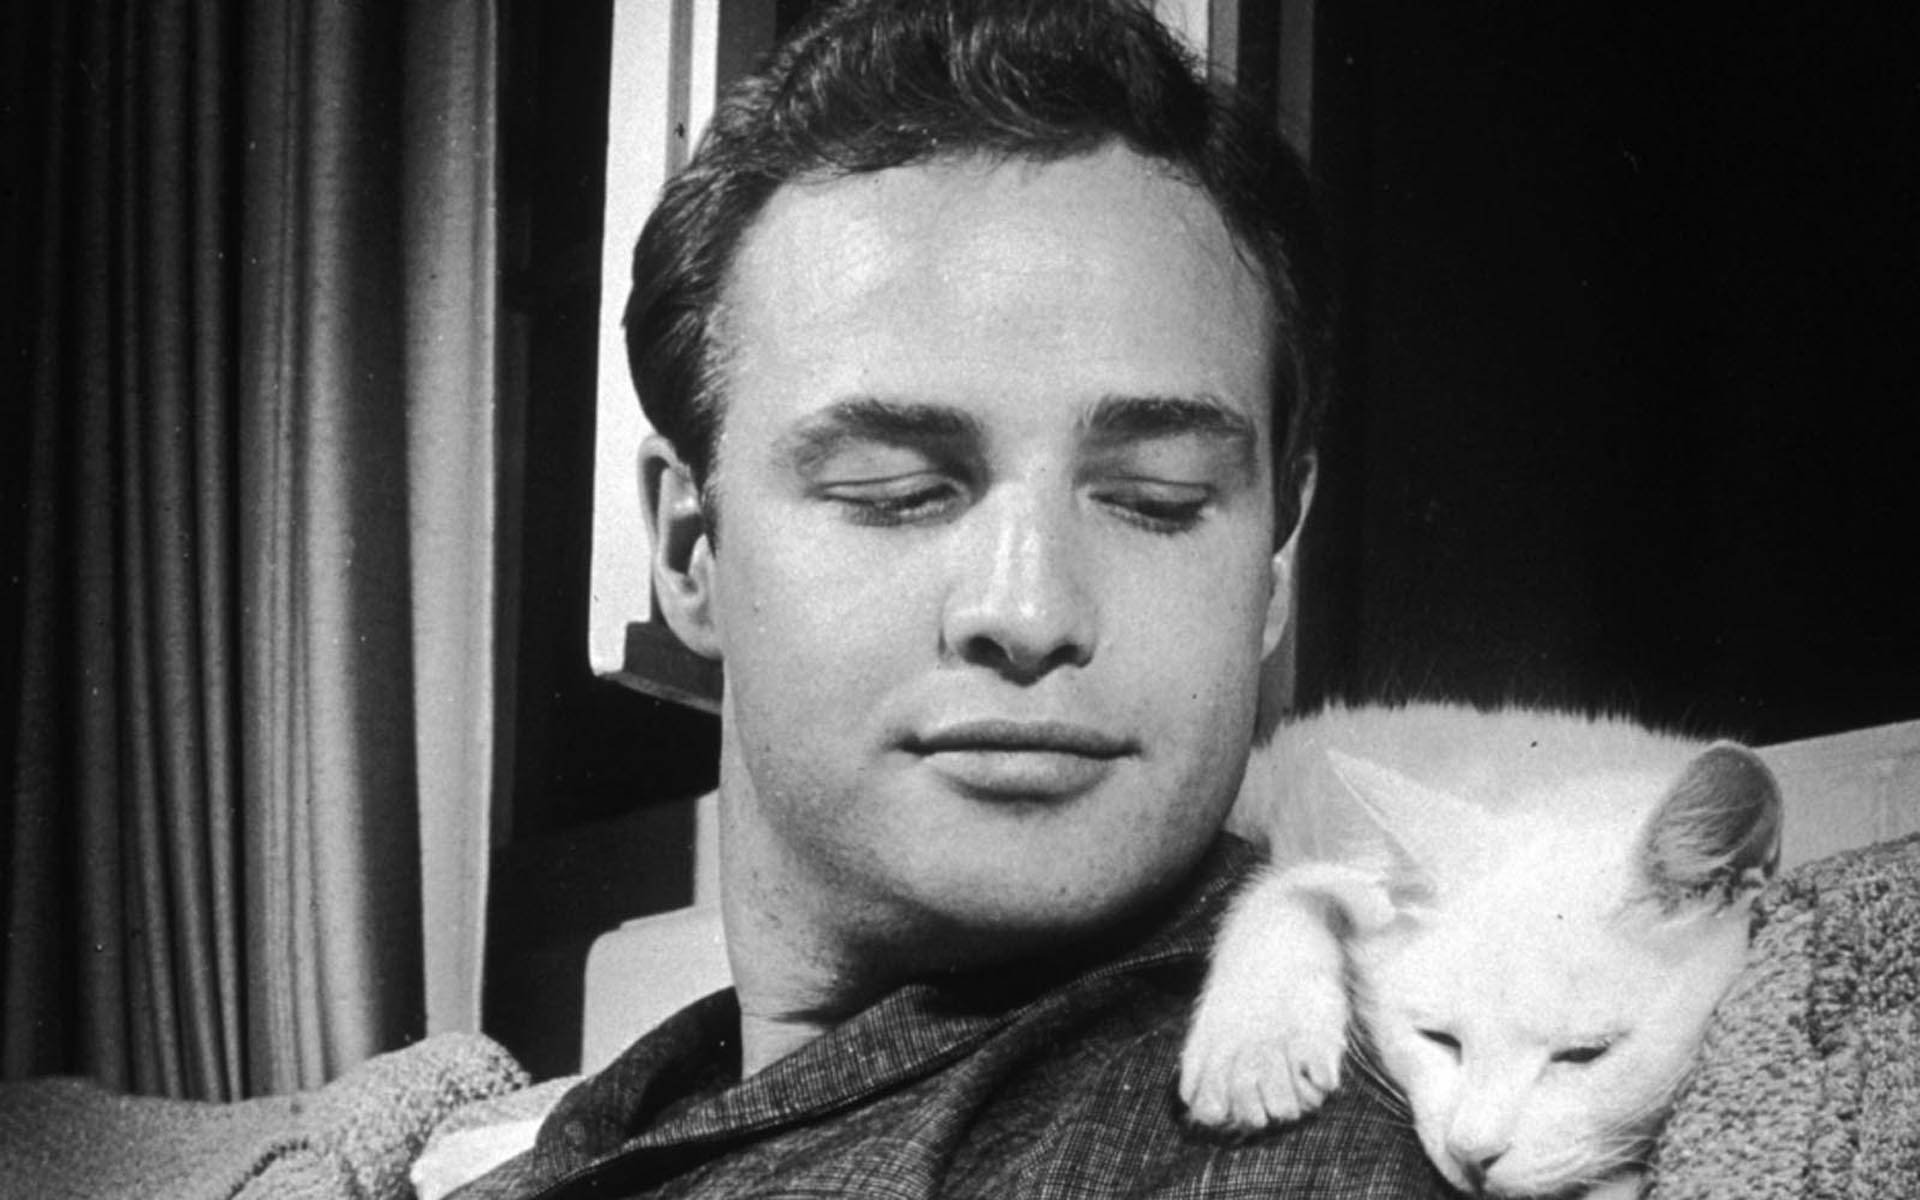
[(1432, 834), (1715, 835), (1280, 600), (683, 582)]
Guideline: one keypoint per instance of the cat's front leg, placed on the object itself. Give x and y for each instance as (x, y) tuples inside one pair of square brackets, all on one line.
[(1270, 1030)]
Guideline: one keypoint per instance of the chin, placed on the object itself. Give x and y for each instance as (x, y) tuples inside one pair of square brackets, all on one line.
[(1096, 862), (1623, 1185), (999, 914), (1039, 909)]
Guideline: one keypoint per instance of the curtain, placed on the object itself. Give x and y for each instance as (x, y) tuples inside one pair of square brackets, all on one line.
[(252, 750)]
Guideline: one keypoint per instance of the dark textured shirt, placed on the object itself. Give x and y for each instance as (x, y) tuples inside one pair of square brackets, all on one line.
[(961, 1089)]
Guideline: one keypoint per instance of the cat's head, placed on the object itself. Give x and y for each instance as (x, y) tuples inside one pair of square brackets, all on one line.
[(1548, 979)]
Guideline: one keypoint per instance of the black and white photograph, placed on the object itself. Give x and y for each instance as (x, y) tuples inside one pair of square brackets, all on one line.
[(959, 598)]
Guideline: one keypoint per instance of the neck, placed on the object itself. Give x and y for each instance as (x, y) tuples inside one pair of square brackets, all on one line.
[(766, 1040), (793, 971), (789, 985)]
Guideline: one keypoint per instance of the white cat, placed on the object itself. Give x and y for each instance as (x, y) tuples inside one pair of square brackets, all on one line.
[(1527, 916)]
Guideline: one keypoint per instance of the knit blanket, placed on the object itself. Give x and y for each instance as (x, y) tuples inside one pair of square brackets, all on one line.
[(353, 1139), (1808, 1086)]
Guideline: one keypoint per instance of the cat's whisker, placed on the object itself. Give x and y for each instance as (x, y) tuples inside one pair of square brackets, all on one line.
[(1578, 1169), (1612, 1155), (1360, 1055), (1642, 1122)]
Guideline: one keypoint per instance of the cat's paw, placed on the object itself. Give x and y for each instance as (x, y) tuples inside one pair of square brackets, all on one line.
[(1248, 1065)]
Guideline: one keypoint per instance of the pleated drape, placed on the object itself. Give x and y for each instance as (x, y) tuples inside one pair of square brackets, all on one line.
[(452, 121), (256, 624), (325, 606)]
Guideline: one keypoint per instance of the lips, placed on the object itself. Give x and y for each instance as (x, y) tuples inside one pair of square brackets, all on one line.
[(1000, 759), (1057, 737)]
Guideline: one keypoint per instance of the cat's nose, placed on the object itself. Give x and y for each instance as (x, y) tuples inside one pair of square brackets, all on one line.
[(1475, 1162)]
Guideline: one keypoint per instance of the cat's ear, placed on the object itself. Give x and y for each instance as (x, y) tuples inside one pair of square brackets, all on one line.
[(1432, 833), (1715, 836)]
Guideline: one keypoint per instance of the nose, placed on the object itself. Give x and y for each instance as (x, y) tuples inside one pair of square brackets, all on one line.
[(1476, 1171), (1019, 603), (1475, 1156)]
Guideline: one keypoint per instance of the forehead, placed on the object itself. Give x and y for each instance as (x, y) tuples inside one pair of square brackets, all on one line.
[(1089, 275)]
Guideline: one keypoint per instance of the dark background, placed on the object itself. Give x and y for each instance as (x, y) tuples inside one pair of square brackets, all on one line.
[(1631, 359), (1628, 380)]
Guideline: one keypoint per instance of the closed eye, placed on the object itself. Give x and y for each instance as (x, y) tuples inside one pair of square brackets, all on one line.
[(1580, 1055), (1156, 506), (900, 500), (1442, 1039)]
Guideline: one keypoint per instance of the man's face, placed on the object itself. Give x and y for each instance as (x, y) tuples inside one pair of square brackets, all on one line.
[(995, 566)]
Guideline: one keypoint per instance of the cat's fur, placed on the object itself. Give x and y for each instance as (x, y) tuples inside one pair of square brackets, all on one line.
[(1527, 916)]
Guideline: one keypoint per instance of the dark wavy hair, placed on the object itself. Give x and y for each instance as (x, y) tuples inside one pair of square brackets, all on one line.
[(873, 84)]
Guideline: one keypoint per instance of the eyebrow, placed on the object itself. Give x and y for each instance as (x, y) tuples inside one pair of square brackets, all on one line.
[(873, 419), (1144, 418), (1113, 419)]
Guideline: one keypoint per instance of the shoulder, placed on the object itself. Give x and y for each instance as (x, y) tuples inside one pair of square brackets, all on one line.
[(1064, 1091), (1086, 1105), (1119, 1130)]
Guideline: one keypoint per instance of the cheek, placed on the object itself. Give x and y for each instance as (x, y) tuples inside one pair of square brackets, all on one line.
[(1580, 1122), (1431, 1087), (1558, 1136), (802, 612), (1429, 1078), (1199, 631), (1627, 1097), (1220, 595)]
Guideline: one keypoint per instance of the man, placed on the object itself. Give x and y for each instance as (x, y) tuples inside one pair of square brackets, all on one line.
[(981, 341)]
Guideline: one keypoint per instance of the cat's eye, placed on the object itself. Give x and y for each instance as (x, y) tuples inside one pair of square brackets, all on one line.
[(1443, 1039), (1580, 1055)]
